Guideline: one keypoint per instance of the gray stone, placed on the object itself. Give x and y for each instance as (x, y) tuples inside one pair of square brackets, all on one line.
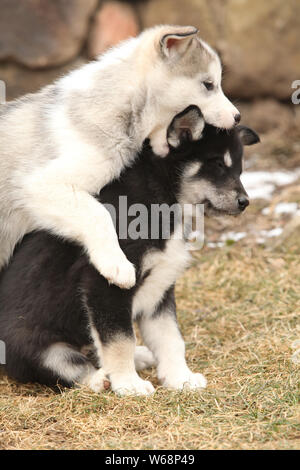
[(43, 33), (258, 40)]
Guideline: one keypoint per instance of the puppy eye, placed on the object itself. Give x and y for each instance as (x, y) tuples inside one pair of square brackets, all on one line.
[(217, 165), (220, 164), (209, 85)]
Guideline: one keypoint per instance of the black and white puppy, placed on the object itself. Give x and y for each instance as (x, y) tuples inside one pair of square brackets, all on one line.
[(54, 304)]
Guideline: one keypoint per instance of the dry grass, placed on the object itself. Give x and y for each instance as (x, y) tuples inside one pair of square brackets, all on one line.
[(238, 309)]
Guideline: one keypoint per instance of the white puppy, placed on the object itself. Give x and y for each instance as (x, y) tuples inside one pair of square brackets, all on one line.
[(60, 146)]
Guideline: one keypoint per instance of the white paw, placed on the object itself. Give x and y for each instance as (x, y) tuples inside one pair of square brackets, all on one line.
[(143, 358), (131, 385), (183, 380), (160, 146), (116, 269), (162, 150), (174, 141), (97, 381)]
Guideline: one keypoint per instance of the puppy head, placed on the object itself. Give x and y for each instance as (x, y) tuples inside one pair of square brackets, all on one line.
[(210, 167), (185, 70)]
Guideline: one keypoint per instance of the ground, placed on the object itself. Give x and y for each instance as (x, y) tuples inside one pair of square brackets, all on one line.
[(238, 308)]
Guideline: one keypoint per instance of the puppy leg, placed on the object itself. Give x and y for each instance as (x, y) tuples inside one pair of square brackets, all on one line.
[(161, 334), (143, 358), (113, 336), (118, 362), (73, 368), (158, 140), (76, 215)]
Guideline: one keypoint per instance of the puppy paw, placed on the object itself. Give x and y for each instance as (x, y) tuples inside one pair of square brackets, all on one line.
[(120, 272), (97, 381), (195, 380), (159, 143), (184, 380), (116, 269), (131, 385), (160, 149), (143, 358)]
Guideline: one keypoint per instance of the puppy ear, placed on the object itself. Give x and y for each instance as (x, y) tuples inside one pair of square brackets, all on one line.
[(186, 126), (248, 136), (174, 44)]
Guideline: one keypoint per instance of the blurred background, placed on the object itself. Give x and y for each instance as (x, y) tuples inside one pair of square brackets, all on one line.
[(260, 47)]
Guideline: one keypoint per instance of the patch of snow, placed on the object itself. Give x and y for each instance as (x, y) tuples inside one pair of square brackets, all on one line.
[(234, 236), (283, 208), (262, 184), (266, 211), (276, 232), (286, 208), (215, 245), (230, 236), (263, 234)]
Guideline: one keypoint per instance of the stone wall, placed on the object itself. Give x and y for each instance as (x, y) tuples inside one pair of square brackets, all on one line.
[(257, 39)]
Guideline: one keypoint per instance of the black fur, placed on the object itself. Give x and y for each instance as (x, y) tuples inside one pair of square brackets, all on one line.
[(42, 292)]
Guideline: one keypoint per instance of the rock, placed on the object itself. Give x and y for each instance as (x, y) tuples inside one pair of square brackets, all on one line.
[(261, 47), (200, 13), (39, 33), (258, 40), (114, 22)]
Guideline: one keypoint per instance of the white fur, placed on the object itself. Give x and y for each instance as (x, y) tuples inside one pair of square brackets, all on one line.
[(97, 380), (227, 159), (57, 359), (192, 169), (216, 108), (120, 359), (143, 358), (162, 336), (165, 268), (118, 362), (160, 333)]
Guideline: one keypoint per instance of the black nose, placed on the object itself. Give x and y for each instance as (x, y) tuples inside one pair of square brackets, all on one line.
[(237, 118), (243, 203)]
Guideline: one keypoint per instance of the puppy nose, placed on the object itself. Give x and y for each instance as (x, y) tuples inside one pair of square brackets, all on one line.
[(243, 202), (237, 118)]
